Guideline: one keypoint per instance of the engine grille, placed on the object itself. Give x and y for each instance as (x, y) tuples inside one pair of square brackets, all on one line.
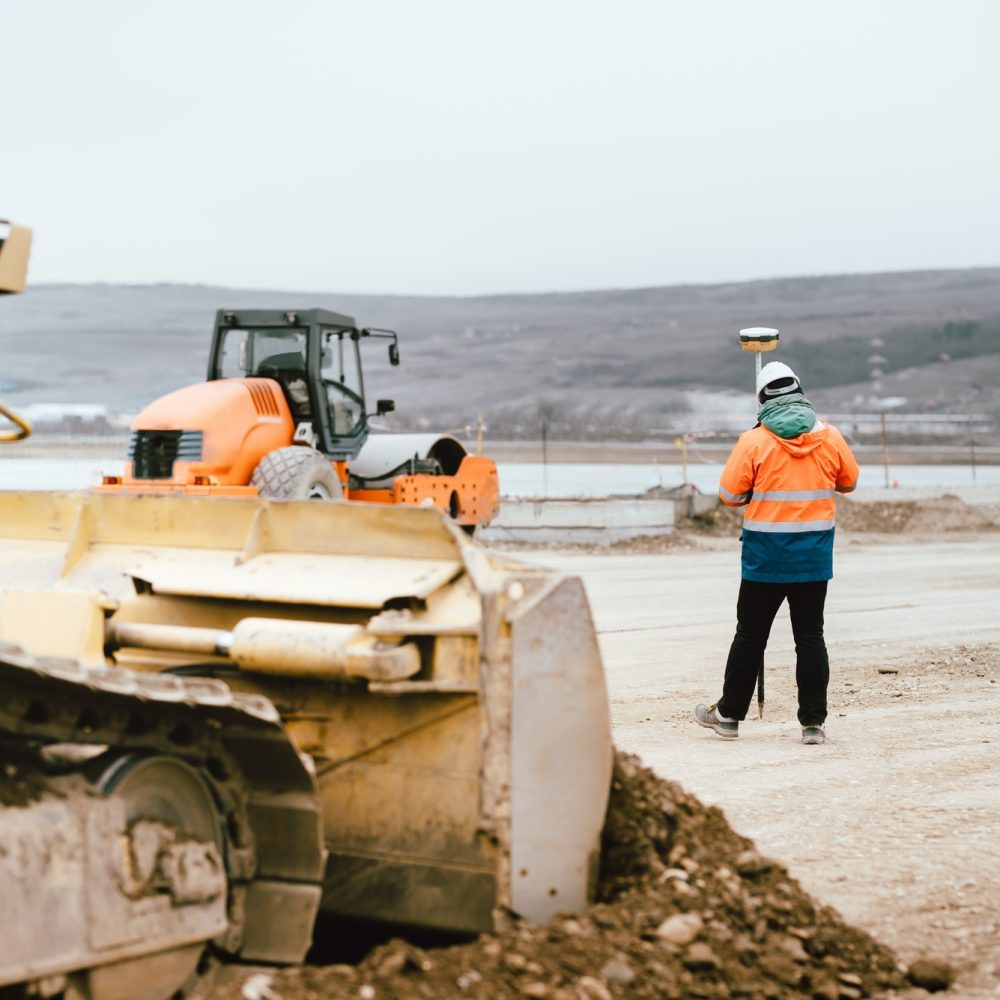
[(262, 393), (153, 453)]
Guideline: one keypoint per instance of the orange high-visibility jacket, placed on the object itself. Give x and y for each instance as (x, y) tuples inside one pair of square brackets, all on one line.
[(787, 486)]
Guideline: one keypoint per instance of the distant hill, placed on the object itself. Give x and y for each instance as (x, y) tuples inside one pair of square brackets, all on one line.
[(603, 364)]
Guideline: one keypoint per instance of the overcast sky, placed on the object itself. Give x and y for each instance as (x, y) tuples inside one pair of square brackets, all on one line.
[(462, 147)]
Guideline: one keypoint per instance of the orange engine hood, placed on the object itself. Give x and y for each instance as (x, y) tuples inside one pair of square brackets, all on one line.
[(241, 420)]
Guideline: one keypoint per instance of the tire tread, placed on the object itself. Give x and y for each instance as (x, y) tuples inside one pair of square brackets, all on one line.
[(280, 474)]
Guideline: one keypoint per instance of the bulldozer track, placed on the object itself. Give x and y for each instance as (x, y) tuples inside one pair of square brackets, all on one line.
[(237, 741)]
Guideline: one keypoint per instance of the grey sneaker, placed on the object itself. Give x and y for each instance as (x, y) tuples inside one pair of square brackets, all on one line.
[(708, 716), (813, 735)]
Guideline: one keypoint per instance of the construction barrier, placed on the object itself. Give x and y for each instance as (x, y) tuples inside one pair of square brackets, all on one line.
[(584, 522)]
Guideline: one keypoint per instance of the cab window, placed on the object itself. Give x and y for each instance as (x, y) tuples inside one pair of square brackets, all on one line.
[(341, 374), (261, 352)]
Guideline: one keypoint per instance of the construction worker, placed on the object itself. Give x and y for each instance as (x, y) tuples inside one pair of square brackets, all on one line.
[(785, 471)]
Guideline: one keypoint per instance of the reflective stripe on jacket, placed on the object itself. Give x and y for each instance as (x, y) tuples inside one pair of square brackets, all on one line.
[(788, 486)]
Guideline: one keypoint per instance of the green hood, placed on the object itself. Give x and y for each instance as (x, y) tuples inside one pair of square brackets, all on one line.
[(789, 416)]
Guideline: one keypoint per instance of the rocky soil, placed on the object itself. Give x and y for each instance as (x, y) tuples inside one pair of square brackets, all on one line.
[(931, 514), (686, 908)]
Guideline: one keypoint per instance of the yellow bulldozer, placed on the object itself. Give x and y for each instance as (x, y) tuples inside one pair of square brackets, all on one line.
[(223, 717)]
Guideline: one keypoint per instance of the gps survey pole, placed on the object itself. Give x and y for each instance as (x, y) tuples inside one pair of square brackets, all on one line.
[(758, 339)]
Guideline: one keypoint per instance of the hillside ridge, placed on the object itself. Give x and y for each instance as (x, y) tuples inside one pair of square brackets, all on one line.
[(592, 364)]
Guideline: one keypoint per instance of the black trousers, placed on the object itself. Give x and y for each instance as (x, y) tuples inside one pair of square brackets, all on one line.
[(755, 610)]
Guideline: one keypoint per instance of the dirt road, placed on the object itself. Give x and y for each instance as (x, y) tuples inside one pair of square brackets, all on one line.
[(896, 820)]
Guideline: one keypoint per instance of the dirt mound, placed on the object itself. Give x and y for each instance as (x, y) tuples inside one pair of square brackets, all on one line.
[(944, 513), (888, 516), (686, 908), (718, 522)]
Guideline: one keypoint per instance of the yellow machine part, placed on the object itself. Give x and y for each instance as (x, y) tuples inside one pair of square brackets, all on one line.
[(15, 248), (450, 702), (21, 428)]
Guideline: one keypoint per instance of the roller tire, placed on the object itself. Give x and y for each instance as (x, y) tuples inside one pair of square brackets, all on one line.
[(296, 473)]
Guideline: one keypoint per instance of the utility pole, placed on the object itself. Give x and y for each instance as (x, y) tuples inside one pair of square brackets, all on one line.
[(545, 457), (682, 443), (885, 448)]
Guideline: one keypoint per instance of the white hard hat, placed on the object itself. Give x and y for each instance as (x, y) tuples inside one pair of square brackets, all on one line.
[(774, 371)]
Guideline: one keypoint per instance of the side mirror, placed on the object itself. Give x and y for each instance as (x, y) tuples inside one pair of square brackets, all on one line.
[(384, 406), (394, 353)]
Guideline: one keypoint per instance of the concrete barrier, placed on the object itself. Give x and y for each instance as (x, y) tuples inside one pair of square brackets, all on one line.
[(585, 522), (689, 501)]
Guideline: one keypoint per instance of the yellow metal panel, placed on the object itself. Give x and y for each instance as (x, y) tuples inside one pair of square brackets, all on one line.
[(14, 253), (246, 549), (413, 788), (293, 578), (227, 523), (456, 658), (65, 623)]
